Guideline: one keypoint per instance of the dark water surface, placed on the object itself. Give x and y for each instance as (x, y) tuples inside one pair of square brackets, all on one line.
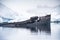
[(27, 34)]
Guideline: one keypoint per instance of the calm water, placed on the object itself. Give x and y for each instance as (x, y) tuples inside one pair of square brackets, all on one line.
[(26, 34)]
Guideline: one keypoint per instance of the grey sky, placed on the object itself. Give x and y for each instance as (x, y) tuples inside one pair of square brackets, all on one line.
[(28, 8)]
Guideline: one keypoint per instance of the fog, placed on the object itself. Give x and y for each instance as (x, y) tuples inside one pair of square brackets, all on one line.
[(20, 10)]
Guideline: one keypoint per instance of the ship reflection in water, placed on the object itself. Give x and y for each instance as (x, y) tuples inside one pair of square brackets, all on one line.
[(46, 29), (25, 34), (34, 24)]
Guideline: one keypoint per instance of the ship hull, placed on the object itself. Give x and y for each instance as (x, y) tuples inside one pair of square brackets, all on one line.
[(41, 23)]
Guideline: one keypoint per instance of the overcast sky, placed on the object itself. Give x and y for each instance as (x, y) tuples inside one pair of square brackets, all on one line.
[(27, 8)]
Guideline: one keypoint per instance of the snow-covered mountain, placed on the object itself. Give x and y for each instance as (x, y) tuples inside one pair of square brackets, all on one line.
[(2, 19), (6, 14), (56, 13)]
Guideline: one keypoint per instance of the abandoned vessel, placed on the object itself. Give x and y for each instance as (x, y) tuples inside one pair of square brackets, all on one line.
[(41, 23)]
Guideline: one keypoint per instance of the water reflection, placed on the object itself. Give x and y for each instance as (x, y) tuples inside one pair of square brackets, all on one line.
[(36, 29), (42, 28), (30, 34)]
